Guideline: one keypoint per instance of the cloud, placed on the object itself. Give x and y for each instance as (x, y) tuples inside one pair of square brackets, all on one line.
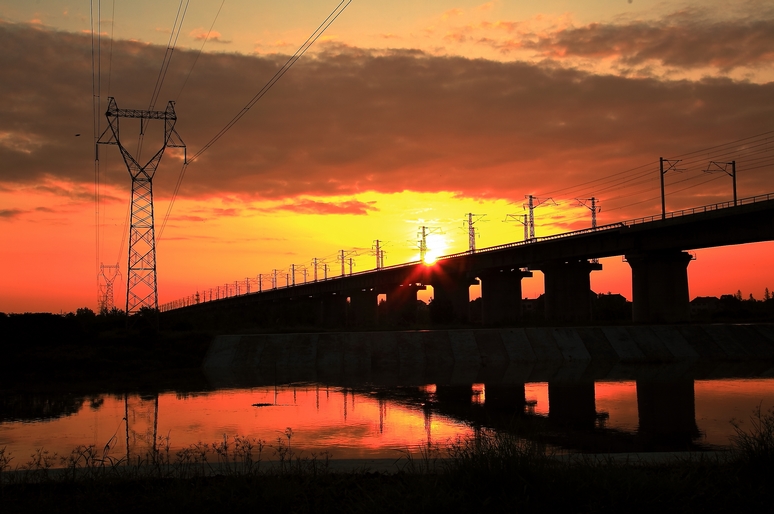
[(199, 34), (307, 206), (350, 120), (452, 13), (11, 213), (684, 44)]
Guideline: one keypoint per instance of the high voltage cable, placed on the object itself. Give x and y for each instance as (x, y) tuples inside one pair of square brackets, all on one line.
[(667, 194), (173, 36), (694, 156), (109, 77), (549, 193), (290, 62), (200, 50), (770, 132), (335, 13), (95, 79)]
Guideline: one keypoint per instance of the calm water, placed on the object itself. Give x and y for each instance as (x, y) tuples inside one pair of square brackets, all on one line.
[(384, 422)]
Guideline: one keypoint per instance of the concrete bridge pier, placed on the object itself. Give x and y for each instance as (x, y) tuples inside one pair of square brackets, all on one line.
[(402, 303), (451, 298), (660, 286), (568, 290), (332, 310), (363, 307), (501, 295)]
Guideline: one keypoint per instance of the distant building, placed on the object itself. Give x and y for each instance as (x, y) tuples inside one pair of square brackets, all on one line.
[(610, 307), (704, 306)]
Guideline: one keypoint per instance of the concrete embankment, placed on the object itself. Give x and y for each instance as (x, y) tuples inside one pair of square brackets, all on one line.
[(508, 355)]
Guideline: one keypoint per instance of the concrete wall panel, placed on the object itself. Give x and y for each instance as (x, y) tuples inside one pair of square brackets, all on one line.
[(623, 344), (517, 345), (570, 344)]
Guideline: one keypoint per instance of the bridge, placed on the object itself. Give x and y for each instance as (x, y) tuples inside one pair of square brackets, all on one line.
[(655, 247)]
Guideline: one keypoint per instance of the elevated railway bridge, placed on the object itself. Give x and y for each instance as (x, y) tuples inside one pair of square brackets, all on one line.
[(655, 247)]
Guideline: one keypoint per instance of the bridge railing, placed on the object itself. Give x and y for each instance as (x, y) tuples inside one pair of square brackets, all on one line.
[(189, 300), (620, 224), (698, 210)]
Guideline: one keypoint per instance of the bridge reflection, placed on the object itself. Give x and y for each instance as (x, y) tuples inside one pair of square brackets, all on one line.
[(666, 414)]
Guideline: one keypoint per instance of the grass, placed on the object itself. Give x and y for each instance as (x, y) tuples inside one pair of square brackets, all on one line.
[(493, 472), (755, 446)]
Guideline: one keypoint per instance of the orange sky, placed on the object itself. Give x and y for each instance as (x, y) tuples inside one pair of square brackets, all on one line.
[(401, 118)]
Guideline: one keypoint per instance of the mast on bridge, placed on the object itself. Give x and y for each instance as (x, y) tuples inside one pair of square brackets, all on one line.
[(472, 230), (521, 218), (592, 206), (532, 204)]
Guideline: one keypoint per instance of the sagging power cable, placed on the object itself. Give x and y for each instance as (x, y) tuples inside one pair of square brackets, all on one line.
[(335, 13)]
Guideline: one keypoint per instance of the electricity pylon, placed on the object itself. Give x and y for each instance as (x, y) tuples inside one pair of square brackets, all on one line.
[(141, 288), (108, 273)]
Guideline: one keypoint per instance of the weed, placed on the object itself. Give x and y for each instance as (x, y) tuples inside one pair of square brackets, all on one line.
[(755, 446)]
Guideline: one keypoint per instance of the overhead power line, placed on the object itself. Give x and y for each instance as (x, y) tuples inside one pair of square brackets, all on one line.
[(261, 92), (199, 53)]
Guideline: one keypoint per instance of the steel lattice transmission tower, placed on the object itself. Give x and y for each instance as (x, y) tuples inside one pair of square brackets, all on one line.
[(108, 274), (141, 288)]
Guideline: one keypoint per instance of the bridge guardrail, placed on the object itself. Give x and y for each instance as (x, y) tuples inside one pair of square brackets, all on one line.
[(698, 210)]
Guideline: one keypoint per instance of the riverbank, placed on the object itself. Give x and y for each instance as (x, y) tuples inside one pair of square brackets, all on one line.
[(488, 473)]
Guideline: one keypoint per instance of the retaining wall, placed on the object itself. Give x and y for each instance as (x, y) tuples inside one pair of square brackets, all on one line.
[(513, 355)]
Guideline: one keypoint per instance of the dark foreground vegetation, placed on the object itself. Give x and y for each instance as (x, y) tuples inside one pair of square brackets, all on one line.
[(73, 352), (491, 473)]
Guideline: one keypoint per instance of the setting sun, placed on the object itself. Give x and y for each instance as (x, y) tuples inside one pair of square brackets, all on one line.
[(436, 247)]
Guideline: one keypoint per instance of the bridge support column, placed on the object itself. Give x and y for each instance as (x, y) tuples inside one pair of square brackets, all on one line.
[(568, 290), (402, 304), (501, 295), (333, 310), (451, 299), (660, 286), (363, 307)]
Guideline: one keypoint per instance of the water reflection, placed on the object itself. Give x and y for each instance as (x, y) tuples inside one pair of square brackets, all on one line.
[(370, 421), (40, 407)]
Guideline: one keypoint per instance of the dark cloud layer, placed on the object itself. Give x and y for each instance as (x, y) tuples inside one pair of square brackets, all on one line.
[(352, 120), (680, 41)]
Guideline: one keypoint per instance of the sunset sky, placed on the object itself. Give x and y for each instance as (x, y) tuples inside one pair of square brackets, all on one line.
[(403, 114)]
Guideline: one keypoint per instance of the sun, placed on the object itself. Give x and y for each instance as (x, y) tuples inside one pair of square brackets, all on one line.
[(436, 247)]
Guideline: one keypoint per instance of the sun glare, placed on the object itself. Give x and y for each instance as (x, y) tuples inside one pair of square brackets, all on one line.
[(436, 247)]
